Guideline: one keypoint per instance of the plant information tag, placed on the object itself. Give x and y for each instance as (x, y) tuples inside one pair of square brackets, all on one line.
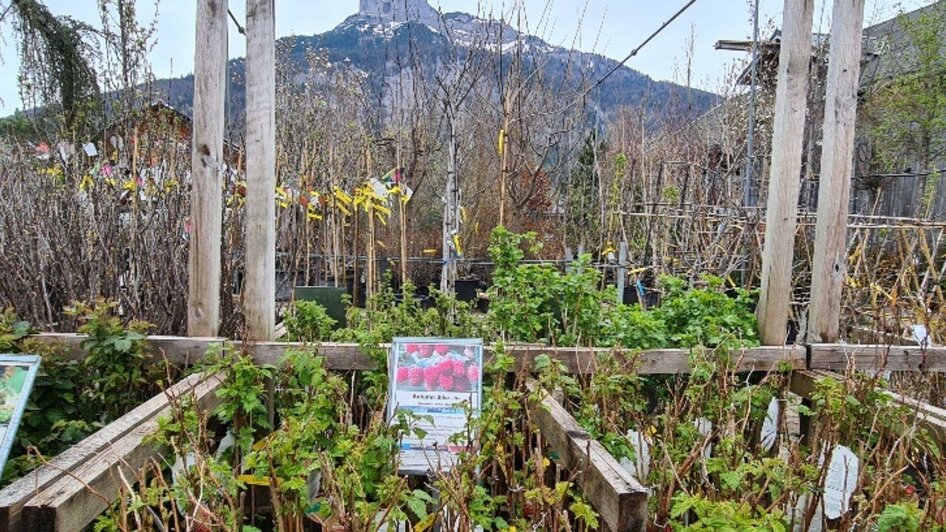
[(17, 373), (437, 382)]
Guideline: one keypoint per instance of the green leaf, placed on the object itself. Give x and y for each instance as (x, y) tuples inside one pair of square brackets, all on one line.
[(417, 507), (732, 479), (123, 345)]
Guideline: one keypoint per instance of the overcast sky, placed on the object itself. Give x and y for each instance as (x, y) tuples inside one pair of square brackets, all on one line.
[(610, 27)]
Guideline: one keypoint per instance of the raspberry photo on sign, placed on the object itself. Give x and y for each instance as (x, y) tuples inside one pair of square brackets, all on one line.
[(439, 382)]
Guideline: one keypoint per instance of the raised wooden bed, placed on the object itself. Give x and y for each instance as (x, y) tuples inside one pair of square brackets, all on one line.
[(72, 489)]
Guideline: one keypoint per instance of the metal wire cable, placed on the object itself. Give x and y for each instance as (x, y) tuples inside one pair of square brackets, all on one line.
[(642, 45)]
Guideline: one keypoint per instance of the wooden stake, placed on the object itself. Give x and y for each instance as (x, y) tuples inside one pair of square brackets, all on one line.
[(451, 210), (210, 77), (782, 208), (259, 295), (829, 265), (504, 171), (371, 238), (402, 218)]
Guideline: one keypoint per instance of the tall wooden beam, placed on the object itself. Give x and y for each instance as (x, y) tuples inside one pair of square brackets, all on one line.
[(259, 295), (829, 265), (782, 209), (207, 161)]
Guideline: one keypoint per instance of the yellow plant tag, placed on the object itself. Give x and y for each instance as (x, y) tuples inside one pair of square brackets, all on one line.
[(254, 480)]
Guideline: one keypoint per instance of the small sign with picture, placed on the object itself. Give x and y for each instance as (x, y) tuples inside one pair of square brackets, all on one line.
[(17, 373), (437, 382)]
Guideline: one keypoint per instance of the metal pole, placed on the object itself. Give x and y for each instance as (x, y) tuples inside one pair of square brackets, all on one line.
[(747, 197)]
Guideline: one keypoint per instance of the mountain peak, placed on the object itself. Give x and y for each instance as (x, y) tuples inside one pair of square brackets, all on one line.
[(399, 10)]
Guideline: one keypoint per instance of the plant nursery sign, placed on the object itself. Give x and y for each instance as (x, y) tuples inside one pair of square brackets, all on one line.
[(17, 373), (437, 382)]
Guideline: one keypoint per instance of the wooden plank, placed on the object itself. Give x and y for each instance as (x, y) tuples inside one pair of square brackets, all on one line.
[(259, 289), (619, 499), (829, 264), (184, 350), (14, 496), (345, 357), (803, 383), (207, 163), (840, 357), (75, 500), (614, 493), (778, 252), (655, 361)]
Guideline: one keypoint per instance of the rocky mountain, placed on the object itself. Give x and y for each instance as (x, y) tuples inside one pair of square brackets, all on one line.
[(380, 39)]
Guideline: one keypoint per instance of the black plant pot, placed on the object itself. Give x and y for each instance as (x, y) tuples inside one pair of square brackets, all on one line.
[(466, 289)]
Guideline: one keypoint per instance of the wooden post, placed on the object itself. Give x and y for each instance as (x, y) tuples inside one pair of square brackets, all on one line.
[(829, 265), (259, 295), (210, 78), (782, 209)]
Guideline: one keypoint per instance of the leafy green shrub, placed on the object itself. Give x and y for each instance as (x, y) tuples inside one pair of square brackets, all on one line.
[(706, 316), (72, 398), (309, 322), (243, 394), (523, 297), (117, 358), (12, 330), (536, 302), (632, 327), (726, 515), (900, 518)]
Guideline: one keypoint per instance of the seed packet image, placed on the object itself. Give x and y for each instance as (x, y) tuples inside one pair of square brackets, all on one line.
[(438, 383), (17, 373)]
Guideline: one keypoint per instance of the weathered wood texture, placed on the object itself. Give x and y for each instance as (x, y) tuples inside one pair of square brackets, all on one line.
[(259, 294), (207, 161), (619, 499), (14, 496), (927, 416), (75, 499), (341, 357), (782, 209), (841, 357), (829, 264)]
